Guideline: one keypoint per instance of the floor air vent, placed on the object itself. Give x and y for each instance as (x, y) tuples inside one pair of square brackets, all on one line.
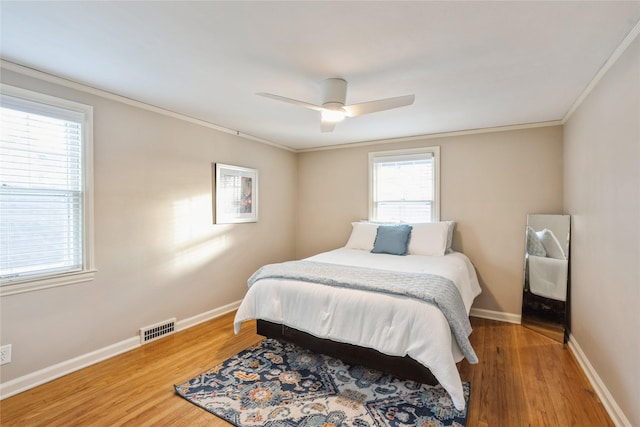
[(159, 330)]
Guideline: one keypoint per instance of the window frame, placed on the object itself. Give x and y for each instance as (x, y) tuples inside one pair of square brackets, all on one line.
[(13, 286), (434, 151)]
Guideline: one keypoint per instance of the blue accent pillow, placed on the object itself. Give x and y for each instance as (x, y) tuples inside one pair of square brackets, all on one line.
[(392, 239)]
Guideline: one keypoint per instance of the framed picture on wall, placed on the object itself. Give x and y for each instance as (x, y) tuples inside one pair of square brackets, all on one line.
[(236, 194)]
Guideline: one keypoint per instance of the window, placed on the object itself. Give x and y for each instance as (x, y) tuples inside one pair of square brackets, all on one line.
[(45, 191), (404, 185)]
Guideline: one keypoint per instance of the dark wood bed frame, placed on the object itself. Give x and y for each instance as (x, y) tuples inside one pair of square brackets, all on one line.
[(401, 367)]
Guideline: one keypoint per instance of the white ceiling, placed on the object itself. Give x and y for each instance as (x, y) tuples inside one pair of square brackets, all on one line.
[(471, 65)]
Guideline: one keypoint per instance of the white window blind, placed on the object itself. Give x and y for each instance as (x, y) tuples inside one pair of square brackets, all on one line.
[(404, 186), (42, 190)]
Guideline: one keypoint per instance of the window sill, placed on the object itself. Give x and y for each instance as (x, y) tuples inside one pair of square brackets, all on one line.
[(51, 282)]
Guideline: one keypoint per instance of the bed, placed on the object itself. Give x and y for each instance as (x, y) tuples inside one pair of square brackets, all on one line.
[(404, 330)]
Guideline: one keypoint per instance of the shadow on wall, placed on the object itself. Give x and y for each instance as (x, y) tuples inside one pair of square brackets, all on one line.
[(458, 244)]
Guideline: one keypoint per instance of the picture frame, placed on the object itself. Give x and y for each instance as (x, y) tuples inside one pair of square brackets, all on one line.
[(236, 194)]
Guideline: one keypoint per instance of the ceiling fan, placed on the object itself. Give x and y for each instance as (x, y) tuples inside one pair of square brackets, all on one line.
[(333, 95)]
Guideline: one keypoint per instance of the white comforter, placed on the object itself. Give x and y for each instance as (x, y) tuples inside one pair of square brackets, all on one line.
[(394, 325)]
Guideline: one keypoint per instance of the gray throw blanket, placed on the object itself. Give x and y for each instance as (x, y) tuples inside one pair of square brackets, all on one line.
[(431, 288)]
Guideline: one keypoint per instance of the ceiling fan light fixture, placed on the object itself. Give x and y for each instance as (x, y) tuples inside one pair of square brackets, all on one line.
[(334, 109), (333, 116)]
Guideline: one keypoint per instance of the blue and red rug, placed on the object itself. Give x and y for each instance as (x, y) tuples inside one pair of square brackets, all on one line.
[(276, 384)]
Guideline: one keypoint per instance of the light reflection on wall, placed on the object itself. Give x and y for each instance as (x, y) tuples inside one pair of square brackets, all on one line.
[(197, 240)]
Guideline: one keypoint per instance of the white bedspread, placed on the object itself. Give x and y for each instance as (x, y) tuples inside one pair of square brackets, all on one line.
[(393, 325)]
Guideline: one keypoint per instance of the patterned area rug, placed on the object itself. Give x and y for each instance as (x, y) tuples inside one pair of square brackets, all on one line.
[(276, 384)]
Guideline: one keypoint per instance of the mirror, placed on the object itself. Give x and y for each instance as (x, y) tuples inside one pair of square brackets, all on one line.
[(546, 269)]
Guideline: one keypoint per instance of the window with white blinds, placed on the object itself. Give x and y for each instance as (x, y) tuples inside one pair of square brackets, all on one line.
[(404, 185), (45, 162)]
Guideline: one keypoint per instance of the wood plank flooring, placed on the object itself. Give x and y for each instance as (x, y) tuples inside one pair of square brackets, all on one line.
[(523, 379), (527, 379)]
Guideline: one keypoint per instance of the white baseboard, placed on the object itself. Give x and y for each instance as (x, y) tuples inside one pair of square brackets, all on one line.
[(34, 379), (495, 315), (612, 408), (207, 315)]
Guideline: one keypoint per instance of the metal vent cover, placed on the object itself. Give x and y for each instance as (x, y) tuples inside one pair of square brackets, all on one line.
[(156, 331)]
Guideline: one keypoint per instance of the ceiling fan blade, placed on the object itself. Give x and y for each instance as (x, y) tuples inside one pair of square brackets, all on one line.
[(326, 126), (379, 105), (292, 101)]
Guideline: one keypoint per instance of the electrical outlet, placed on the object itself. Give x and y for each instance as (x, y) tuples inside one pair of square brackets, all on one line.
[(5, 354)]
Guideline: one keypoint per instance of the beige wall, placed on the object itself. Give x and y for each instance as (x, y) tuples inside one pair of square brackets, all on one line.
[(157, 252), (489, 183), (602, 193)]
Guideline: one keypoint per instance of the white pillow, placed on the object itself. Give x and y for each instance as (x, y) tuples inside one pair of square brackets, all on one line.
[(429, 238), (363, 235), (534, 243), (551, 244)]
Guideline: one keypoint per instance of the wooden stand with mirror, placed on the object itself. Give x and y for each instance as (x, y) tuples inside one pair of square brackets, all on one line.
[(546, 270)]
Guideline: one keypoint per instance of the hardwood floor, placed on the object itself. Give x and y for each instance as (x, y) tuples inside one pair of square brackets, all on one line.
[(523, 379), (527, 379)]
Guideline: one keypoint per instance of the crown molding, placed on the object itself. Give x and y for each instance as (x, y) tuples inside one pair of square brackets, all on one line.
[(41, 75), (622, 47), (631, 36), (435, 135)]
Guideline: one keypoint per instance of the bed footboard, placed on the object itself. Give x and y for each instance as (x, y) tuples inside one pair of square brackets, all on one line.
[(401, 367)]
